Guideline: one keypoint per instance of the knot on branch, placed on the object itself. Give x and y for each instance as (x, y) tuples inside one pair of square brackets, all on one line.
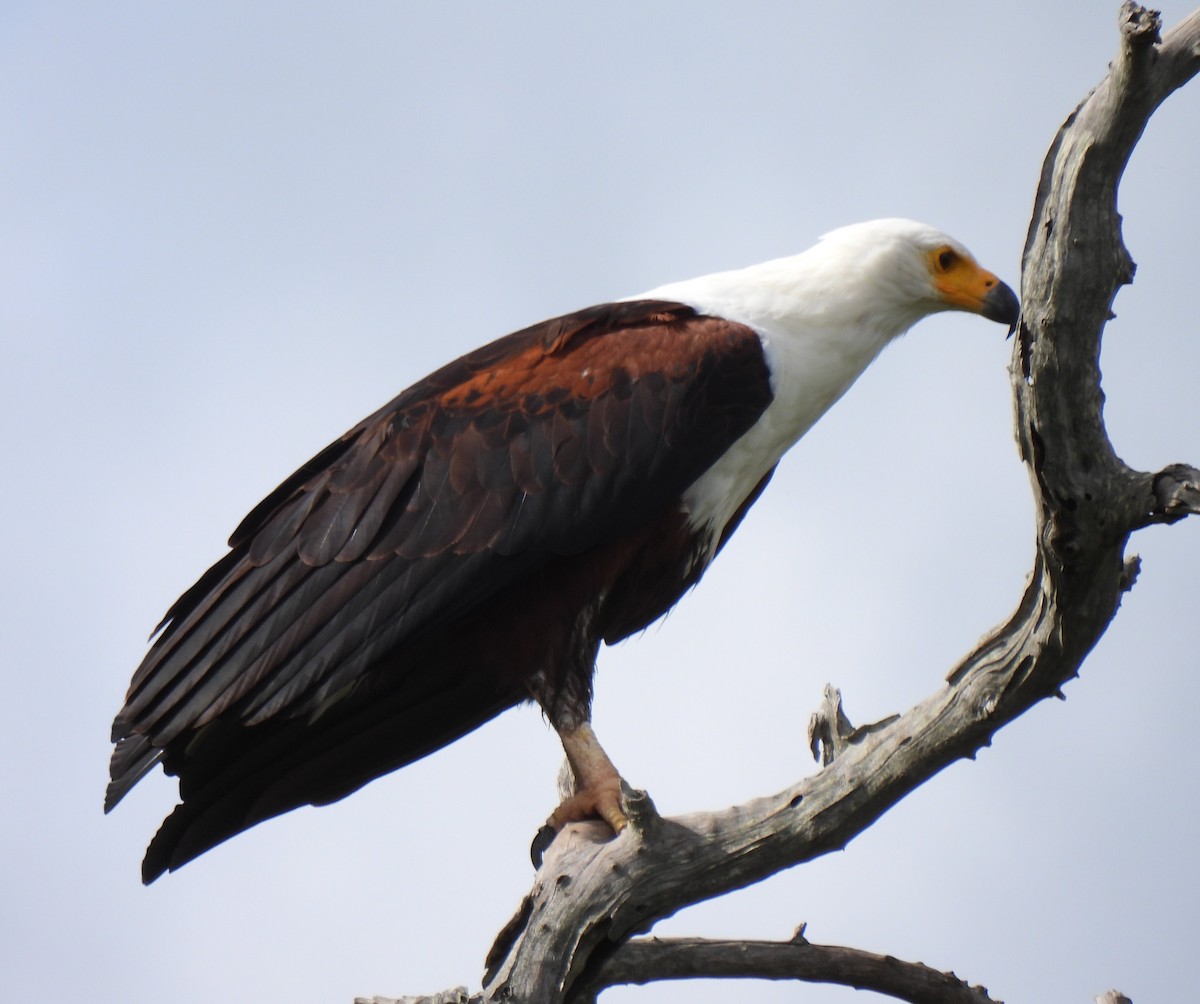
[(1139, 25), (1130, 572), (830, 732), (640, 810), (1174, 494)]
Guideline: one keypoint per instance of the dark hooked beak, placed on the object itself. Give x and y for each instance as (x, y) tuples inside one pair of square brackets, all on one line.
[(1001, 304)]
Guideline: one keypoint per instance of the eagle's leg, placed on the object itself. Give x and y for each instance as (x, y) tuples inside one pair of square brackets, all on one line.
[(597, 783)]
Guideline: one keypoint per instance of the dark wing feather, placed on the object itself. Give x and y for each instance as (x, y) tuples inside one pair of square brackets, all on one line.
[(542, 444)]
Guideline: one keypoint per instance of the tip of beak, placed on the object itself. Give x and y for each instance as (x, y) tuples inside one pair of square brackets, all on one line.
[(1001, 304)]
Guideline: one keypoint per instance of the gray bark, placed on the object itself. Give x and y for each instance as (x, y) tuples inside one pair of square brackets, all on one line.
[(645, 960), (574, 933)]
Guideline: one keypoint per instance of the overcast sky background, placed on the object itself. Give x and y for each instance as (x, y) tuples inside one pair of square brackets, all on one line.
[(228, 231)]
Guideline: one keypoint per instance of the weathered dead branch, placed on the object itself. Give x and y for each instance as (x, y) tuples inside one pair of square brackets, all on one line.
[(571, 936), (646, 960)]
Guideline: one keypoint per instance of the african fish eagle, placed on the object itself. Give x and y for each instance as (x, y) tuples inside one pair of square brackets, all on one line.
[(468, 546)]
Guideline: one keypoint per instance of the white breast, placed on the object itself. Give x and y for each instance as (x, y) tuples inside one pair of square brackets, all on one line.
[(808, 374), (816, 345)]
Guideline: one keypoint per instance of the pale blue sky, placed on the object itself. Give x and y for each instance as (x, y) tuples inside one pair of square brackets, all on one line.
[(228, 231)]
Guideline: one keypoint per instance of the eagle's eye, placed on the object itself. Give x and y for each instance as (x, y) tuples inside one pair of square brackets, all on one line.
[(946, 259)]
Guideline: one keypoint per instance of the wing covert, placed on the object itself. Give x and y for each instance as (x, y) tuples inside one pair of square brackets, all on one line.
[(541, 444)]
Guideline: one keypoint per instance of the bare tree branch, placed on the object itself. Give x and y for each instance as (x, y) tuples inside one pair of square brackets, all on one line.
[(570, 937), (458, 995), (649, 960), (645, 960)]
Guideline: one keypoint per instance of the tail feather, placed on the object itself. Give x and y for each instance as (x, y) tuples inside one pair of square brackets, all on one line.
[(233, 777), (132, 759)]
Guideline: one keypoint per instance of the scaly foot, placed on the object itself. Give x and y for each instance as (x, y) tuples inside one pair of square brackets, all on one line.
[(601, 798), (597, 790)]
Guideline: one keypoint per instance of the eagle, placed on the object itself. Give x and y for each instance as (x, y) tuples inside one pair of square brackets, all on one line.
[(469, 546)]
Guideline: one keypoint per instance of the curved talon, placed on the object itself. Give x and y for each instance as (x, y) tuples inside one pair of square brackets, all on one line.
[(541, 843), (615, 817)]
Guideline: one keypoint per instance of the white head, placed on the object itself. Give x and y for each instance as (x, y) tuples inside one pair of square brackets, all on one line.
[(876, 279), (907, 269)]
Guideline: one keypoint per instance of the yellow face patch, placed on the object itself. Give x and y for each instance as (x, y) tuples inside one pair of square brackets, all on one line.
[(960, 280)]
